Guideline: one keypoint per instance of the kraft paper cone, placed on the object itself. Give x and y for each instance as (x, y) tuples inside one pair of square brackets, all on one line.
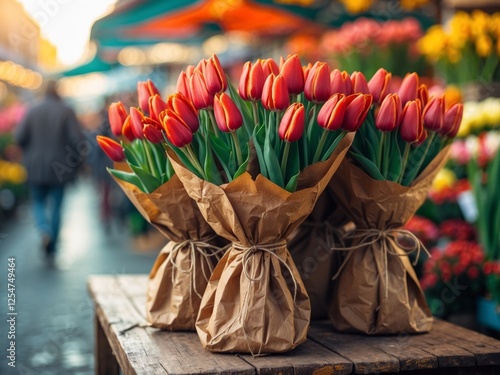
[(181, 271), (312, 248), (377, 290), (255, 301)]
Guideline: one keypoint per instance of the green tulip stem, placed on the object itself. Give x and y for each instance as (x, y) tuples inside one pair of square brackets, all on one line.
[(380, 151), (255, 108), (284, 159), (427, 147), (405, 161), (321, 144), (311, 121), (237, 146), (149, 157), (212, 120), (190, 154)]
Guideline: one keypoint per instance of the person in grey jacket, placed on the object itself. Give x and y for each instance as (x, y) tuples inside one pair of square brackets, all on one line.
[(51, 139)]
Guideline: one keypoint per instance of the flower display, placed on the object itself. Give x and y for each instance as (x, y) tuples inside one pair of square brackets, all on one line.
[(480, 116), (467, 50), (491, 270), (365, 45), (459, 263), (424, 229)]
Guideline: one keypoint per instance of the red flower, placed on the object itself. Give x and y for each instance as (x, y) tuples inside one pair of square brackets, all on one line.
[(183, 85), (144, 91), (152, 133), (331, 114), (452, 120), (111, 148), (176, 130), (181, 105), (292, 124), (389, 114), (214, 76), (137, 122), (251, 81), (293, 73), (317, 85), (433, 115), (340, 82), (117, 115), (127, 129), (359, 84), (200, 96), (412, 126), (356, 111), (227, 114), (409, 88), (269, 67), (156, 105), (379, 85), (275, 95)]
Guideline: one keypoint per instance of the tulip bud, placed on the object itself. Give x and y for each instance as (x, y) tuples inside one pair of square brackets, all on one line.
[(156, 105), (200, 96), (423, 94), (294, 75), (144, 91), (317, 87), (433, 114), (127, 129), (359, 85), (412, 126), (306, 69), (331, 114), (347, 82), (356, 111), (111, 148), (292, 124), (379, 85), (251, 82), (137, 122), (275, 95), (181, 105), (452, 120), (183, 82), (338, 83), (117, 115), (176, 130), (152, 133), (215, 77), (389, 114), (269, 67), (409, 88), (227, 114)]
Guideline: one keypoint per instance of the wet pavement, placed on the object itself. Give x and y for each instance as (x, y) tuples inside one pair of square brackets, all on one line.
[(54, 321)]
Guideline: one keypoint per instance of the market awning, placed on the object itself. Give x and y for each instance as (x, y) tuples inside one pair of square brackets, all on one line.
[(94, 65)]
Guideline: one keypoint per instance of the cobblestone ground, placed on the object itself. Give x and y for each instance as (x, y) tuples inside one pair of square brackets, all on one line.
[(54, 322)]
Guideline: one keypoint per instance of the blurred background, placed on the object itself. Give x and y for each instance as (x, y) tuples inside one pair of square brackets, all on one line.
[(99, 50)]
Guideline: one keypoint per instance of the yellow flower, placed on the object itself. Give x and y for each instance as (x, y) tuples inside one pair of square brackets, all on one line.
[(460, 27), (484, 46), (494, 24), (452, 95), (444, 179), (453, 54), (433, 43), (357, 6), (479, 23)]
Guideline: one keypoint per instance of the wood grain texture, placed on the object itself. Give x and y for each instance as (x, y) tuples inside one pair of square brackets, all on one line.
[(121, 330)]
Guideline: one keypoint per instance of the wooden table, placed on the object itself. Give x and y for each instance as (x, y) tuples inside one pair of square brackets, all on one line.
[(123, 341)]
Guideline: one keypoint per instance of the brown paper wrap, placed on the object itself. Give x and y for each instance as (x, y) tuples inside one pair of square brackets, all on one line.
[(312, 247), (255, 301), (377, 290), (181, 271)]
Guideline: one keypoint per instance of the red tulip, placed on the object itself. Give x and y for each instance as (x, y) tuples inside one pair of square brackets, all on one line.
[(292, 124), (389, 114), (144, 91), (275, 95), (251, 82), (181, 105), (127, 129), (423, 94), (215, 77), (379, 85), (111, 148), (183, 85), (452, 120), (306, 69), (176, 130), (359, 84), (409, 88), (200, 96), (137, 122), (433, 114), (156, 105), (152, 133), (412, 126), (269, 67), (294, 75), (356, 111), (227, 114), (317, 87), (117, 115), (347, 82), (331, 114), (339, 84)]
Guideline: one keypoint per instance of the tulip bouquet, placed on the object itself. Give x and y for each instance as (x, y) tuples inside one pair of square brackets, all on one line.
[(143, 171), (381, 183), (255, 158)]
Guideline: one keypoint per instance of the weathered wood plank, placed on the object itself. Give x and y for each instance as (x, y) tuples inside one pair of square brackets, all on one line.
[(365, 357), (308, 358), (106, 363)]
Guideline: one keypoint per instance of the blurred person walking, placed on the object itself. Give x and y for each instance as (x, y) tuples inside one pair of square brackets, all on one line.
[(49, 135)]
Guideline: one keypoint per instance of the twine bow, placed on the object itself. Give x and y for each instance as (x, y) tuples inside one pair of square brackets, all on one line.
[(389, 239), (201, 246)]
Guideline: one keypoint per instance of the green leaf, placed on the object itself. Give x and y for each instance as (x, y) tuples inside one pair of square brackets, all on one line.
[(130, 154), (291, 186), (150, 182), (272, 162), (293, 164), (127, 177), (333, 145), (259, 140), (367, 165)]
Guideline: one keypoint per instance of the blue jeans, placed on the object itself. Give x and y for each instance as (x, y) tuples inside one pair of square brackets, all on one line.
[(47, 205)]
